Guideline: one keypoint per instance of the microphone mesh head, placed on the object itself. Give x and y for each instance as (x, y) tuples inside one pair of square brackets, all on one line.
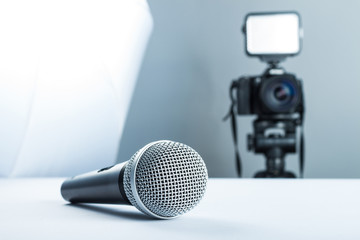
[(170, 179)]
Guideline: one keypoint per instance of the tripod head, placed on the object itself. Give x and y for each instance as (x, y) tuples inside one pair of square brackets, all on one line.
[(274, 138)]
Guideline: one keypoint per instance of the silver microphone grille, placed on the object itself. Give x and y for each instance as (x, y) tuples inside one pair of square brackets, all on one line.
[(165, 179)]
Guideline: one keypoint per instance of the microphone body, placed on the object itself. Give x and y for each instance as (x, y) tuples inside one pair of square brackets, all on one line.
[(164, 179), (102, 186)]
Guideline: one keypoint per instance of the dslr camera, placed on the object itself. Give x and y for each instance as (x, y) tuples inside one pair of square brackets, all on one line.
[(275, 96), (272, 94)]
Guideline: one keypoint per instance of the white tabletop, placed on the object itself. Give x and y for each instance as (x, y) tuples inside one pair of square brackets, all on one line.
[(231, 209)]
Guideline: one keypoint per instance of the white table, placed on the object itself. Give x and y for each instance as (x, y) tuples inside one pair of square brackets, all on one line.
[(232, 209)]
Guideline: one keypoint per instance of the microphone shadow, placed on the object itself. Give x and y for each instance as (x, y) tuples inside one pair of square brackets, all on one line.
[(112, 211)]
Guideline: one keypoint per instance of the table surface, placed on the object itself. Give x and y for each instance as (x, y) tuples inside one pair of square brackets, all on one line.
[(231, 209)]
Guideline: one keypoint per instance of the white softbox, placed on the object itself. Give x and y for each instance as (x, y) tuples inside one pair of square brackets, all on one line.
[(68, 69)]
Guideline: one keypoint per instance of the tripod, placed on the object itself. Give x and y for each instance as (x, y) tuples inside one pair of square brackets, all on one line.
[(274, 138)]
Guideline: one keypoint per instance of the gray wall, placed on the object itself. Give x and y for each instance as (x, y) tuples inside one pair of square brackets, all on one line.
[(196, 50)]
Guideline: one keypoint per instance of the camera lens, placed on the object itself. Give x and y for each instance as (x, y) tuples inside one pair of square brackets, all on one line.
[(280, 94), (283, 92)]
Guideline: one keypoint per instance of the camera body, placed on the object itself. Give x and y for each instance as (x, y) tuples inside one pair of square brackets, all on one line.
[(274, 94)]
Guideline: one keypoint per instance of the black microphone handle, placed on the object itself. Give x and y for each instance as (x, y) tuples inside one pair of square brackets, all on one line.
[(101, 186)]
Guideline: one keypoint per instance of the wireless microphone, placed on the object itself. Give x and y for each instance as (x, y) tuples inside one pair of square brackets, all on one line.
[(164, 179)]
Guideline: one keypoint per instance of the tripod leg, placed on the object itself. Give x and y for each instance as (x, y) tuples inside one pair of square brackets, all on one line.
[(288, 175), (262, 174)]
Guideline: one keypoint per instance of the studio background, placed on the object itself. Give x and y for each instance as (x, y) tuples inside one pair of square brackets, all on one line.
[(196, 49)]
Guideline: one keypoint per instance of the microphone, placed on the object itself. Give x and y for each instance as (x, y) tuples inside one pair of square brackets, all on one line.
[(164, 179)]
